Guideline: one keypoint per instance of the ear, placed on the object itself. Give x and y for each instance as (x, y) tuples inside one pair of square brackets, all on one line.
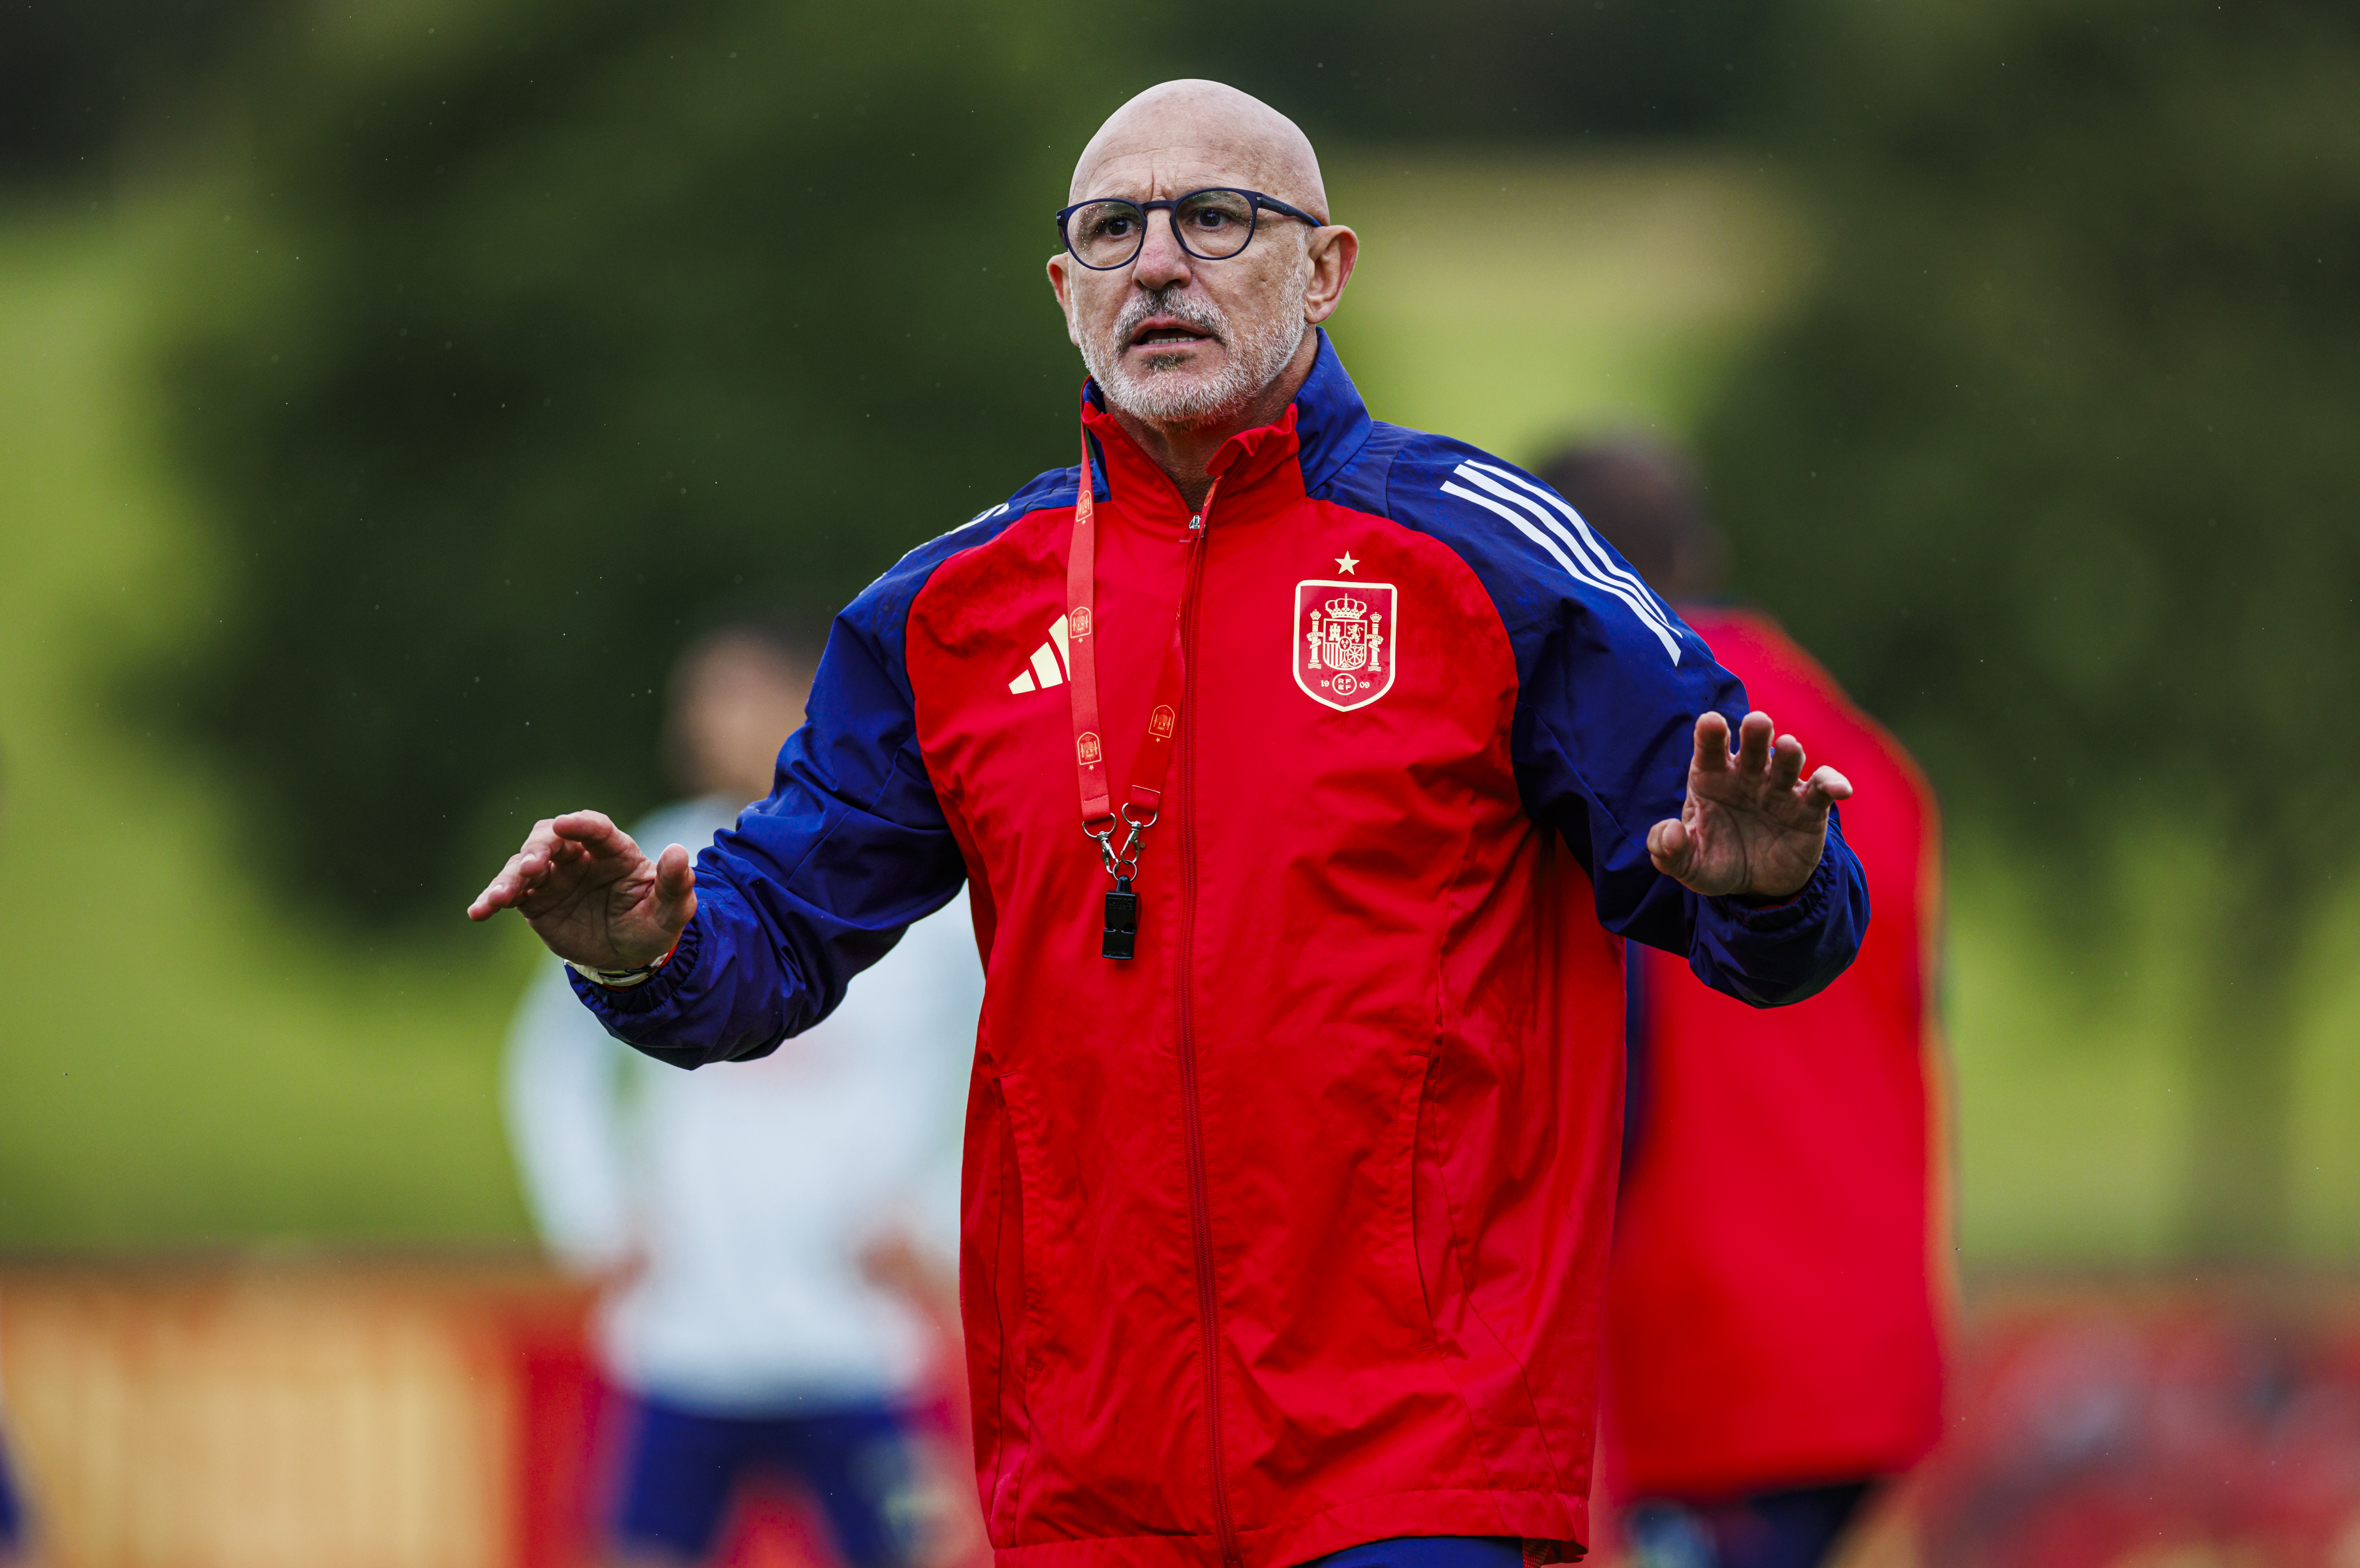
[(1060, 284), (1333, 252)]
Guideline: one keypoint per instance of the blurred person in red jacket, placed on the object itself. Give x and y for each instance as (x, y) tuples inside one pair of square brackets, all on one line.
[(1773, 1343)]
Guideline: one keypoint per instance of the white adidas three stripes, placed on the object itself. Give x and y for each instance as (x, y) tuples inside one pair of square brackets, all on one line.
[(1050, 663), (1589, 562)]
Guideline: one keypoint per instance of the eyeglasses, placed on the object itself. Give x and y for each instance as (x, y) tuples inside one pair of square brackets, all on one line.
[(1211, 226)]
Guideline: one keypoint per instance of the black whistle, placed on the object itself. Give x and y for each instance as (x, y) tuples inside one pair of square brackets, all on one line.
[(1122, 934)]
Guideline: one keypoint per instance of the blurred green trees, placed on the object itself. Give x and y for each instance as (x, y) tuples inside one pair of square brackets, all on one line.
[(542, 325), (1492, 71), (76, 79), (2056, 468)]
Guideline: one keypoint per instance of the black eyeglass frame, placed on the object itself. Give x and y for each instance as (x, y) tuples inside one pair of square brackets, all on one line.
[(1255, 199)]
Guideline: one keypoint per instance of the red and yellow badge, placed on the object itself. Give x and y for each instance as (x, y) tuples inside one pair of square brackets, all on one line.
[(1346, 634)]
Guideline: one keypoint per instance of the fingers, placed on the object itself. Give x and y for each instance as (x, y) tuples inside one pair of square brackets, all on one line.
[(554, 842), (499, 893), (594, 831), (1711, 744), (1754, 743), (676, 890), (593, 835), (1826, 788), (1671, 848), (519, 875), (1761, 752), (1753, 738)]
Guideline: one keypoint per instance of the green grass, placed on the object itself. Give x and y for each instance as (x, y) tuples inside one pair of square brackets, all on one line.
[(181, 1062), (2074, 1102), (2070, 1097)]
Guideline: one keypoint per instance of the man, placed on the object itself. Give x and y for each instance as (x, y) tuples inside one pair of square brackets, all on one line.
[(1772, 1347), (1285, 1234), (743, 1216)]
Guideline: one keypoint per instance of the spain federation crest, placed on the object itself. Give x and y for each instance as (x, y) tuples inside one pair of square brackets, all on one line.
[(1347, 641)]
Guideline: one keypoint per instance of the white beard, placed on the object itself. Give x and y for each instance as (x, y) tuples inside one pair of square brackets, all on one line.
[(1163, 392)]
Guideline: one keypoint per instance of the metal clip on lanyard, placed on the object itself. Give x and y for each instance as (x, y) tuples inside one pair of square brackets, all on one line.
[(1100, 817)]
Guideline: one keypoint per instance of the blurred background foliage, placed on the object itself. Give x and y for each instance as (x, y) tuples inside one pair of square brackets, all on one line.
[(394, 384), (78, 81)]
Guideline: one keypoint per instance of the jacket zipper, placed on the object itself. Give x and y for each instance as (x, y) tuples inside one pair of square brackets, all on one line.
[(1191, 1110)]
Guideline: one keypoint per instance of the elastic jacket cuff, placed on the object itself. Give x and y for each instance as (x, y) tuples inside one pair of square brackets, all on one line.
[(658, 989)]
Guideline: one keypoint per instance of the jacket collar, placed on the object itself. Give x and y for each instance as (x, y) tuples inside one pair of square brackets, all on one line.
[(1322, 428), (1332, 421)]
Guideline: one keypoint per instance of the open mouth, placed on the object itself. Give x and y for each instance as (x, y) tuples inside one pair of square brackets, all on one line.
[(1167, 333)]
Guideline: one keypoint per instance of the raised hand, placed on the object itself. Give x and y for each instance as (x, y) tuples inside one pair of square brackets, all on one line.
[(1752, 824), (589, 892)]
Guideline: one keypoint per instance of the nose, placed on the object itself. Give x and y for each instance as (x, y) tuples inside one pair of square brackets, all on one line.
[(1160, 262)]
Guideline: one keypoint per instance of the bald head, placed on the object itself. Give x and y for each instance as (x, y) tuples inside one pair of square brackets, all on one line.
[(1190, 342), (1192, 132)]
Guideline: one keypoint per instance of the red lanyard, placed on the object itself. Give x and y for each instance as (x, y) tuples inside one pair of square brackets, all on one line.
[(1137, 812)]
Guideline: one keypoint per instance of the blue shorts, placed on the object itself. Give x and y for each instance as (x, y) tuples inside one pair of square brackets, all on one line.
[(1429, 1552), (1793, 1529), (682, 1467), (12, 1512)]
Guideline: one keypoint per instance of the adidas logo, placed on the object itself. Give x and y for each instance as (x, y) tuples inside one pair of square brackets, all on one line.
[(1050, 663)]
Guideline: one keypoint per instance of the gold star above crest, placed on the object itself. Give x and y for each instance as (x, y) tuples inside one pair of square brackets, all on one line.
[(1344, 563)]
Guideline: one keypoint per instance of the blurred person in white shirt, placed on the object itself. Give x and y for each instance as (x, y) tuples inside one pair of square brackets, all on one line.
[(773, 1234)]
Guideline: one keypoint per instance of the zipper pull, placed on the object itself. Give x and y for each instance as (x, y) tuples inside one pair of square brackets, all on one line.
[(1197, 523)]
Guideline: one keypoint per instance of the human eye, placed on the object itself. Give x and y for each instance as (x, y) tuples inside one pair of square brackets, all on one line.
[(1218, 213), (1110, 222)]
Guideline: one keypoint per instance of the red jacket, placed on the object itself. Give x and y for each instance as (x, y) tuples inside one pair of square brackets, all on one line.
[(1780, 1253), (1290, 1232)]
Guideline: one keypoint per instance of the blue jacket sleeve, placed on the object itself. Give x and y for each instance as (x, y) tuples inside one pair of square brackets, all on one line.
[(1611, 683), (818, 881)]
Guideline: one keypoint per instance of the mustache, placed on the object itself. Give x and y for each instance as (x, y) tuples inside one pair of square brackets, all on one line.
[(1168, 301)]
